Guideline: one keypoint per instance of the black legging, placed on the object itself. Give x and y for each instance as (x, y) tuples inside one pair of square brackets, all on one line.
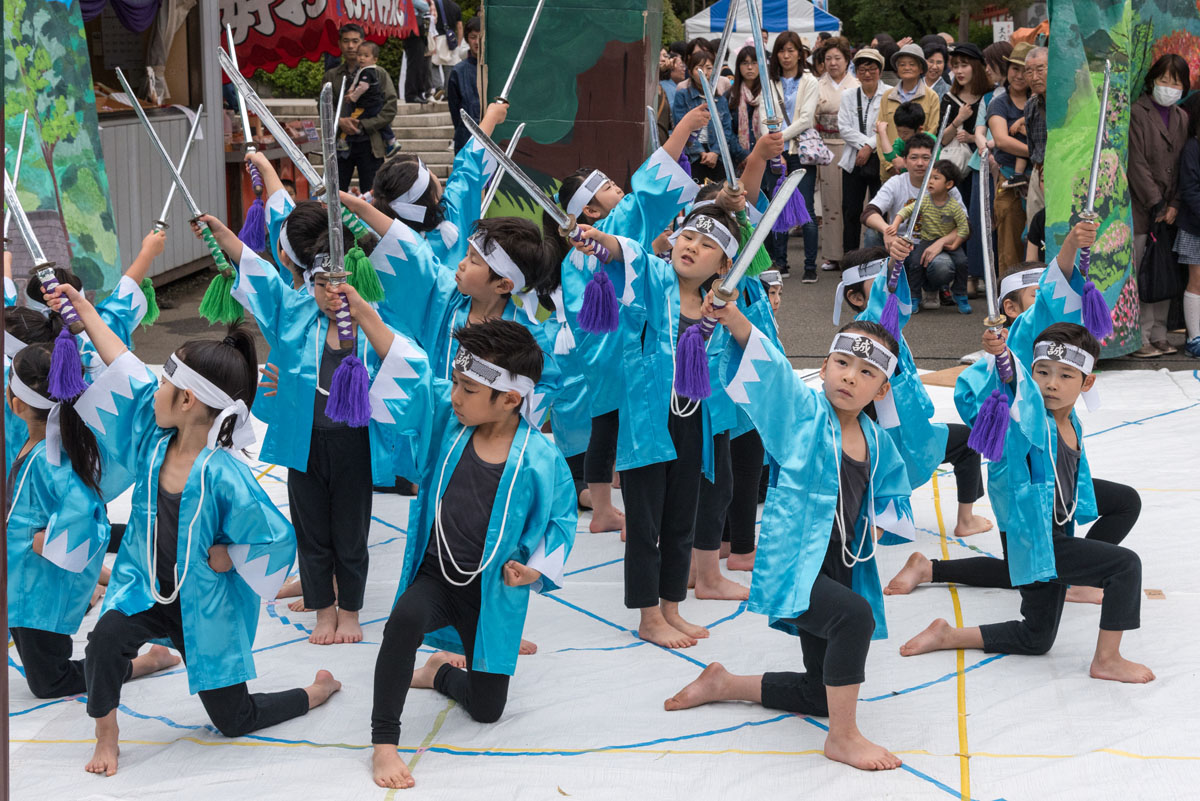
[(601, 452), (712, 508), (1117, 505), (746, 459), (431, 603), (966, 463)]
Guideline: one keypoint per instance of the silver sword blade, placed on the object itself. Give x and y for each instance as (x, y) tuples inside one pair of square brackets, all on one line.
[(762, 230), (241, 101), (517, 174), (916, 213), (333, 206), (723, 45), (23, 226), (652, 129), (1090, 206), (158, 145), (183, 157), (255, 104), (494, 186), (760, 52), (512, 73), (16, 176), (985, 228), (722, 145), (337, 114)]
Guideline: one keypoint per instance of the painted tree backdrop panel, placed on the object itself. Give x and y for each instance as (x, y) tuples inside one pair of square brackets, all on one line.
[(47, 72), (1132, 34)]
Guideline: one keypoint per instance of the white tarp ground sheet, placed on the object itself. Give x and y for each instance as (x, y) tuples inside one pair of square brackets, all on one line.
[(585, 719)]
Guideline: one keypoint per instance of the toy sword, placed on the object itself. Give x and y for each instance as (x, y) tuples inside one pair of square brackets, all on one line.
[(254, 103), (499, 176), (161, 223), (910, 232), (16, 176), (335, 260), (652, 128), (255, 178), (730, 176), (1096, 315), (995, 319), (567, 223), (771, 117), (723, 45), (512, 73), (43, 268)]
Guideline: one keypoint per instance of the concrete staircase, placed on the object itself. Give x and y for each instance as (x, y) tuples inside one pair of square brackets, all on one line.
[(421, 128)]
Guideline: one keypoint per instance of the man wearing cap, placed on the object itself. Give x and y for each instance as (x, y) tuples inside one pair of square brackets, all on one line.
[(856, 125), (910, 65)]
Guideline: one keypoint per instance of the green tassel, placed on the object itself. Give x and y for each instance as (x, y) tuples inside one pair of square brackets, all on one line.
[(363, 277), (762, 260), (152, 310), (218, 305)]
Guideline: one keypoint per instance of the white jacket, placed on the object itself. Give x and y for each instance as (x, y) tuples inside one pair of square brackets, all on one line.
[(848, 120), (803, 112)]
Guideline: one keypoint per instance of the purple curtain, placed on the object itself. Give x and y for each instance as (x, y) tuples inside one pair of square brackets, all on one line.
[(136, 15)]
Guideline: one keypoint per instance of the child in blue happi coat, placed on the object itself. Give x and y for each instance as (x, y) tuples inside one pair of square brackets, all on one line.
[(494, 518), (57, 531), (204, 542), (1047, 491), (835, 478)]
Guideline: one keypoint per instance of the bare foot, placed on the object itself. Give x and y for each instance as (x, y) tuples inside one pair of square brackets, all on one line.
[(973, 525), (859, 752), (1085, 595), (660, 632), (104, 757), (934, 638), (622, 533), (740, 561), (690, 629), (389, 769), (528, 648), (348, 629), (323, 686), (917, 570), (724, 551), (612, 520), (156, 659), (1120, 669), (424, 675), (722, 590), (705, 689), (290, 589), (298, 606), (325, 631)]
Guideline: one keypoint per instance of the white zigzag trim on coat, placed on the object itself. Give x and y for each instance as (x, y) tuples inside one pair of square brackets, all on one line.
[(395, 366), (279, 204), (489, 161), (250, 267), (392, 247), (128, 288), (892, 519), (1062, 289), (663, 167), (118, 379), (755, 350), (449, 232), (628, 254), (55, 549), (254, 571), (550, 565)]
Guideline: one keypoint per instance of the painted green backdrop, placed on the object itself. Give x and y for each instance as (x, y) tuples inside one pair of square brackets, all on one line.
[(1132, 34), (46, 70)]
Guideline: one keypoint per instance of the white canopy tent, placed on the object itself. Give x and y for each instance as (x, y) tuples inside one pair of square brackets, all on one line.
[(799, 16)]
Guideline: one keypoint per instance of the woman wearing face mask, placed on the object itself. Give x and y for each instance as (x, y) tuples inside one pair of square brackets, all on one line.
[(1157, 134)]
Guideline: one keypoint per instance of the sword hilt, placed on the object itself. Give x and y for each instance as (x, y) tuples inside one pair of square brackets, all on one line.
[(356, 226), (49, 282), (345, 327), (1085, 254), (1004, 360), (255, 178), (160, 226), (601, 253), (218, 255)]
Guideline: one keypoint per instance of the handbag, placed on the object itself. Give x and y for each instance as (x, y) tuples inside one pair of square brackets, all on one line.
[(958, 153), (1159, 275), (812, 149)]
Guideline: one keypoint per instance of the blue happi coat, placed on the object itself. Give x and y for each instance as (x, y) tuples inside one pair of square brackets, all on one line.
[(533, 516), (422, 301), (803, 438), (921, 442), (755, 303), (219, 610), (648, 289), (296, 328), (51, 591), (1021, 485)]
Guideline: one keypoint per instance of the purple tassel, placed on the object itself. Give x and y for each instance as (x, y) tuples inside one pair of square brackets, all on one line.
[(794, 213), (66, 370), (598, 314), (254, 229), (1096, 316), (349, 394), (991, 427), (779, 227), (685, 164), (890, 319), (691, 365)]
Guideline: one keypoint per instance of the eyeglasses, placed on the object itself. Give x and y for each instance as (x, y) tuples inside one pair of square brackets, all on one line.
[(1038, 70), (866, 66)]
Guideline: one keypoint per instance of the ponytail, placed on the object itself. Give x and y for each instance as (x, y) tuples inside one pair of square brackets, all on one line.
[(397, 176), (557, 246), (231, 364), (32, 365), (30, 326)]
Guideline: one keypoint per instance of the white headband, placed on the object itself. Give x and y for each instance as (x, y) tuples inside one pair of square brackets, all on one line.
[(40, 401), (714, 230), (210, 395), (286, 244), (503, 265), (850, 277), (1018, 281), (405, 205), (1047, 351), (586, 191), (12, 345), (854, 344), (771, 277), (496, 377)]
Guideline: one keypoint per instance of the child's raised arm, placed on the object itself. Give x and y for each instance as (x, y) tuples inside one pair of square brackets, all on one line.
[(694, 120), (108, 345), (271, 182), (226, 239), (1082, 235), (153, 245), (766, 148), (364, 314), (376, 219)]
